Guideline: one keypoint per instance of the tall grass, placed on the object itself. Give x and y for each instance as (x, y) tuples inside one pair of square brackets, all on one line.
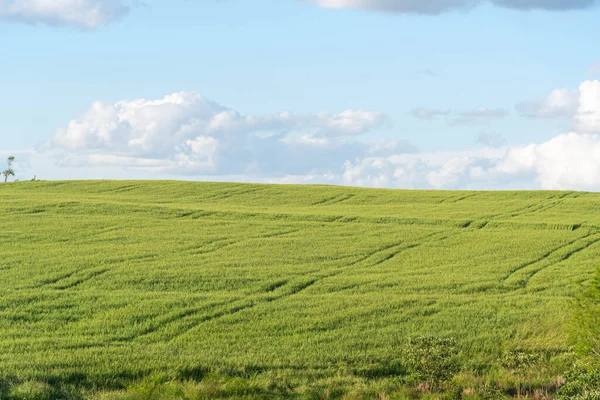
[(284, 291)]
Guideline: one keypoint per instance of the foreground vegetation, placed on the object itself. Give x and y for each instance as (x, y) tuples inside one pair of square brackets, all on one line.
[(152, 290)]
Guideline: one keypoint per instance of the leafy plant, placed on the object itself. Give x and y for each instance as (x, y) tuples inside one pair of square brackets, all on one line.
[(432, 360), (582, 383), (520, 360)]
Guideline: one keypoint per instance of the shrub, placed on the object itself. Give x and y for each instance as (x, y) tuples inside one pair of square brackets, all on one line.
[(432, 360), (520, 360), (583, 383), (33, 391)]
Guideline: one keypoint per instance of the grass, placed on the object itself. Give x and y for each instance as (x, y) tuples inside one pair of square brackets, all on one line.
[(266, 291)]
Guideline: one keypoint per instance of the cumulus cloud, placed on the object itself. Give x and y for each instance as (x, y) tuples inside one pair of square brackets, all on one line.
[(186, 133), (587, 118), (477, 116), (441, 6), (568, 161), (581, 106), (86, 14), (560, 103)]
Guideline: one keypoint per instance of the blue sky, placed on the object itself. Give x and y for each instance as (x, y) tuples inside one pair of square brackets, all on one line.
[(380, 93)]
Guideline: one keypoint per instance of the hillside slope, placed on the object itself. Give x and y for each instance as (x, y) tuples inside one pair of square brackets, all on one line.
[(106, 282)]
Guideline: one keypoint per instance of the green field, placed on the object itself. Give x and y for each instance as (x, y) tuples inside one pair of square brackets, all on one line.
[(269, 291)]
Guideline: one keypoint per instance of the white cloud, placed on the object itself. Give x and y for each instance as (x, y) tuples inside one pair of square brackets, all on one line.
[(185, 133), (568, 161), (352, 122), (560, 103), (87, 14), (440, 6), (477, 116), (428, 113), (581, 106), (425, 170), (587, 118)]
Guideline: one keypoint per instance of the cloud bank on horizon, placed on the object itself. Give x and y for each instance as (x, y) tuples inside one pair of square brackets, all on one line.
[(186, 134)]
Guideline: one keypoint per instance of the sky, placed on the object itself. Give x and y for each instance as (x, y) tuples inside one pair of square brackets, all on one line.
[(426, 94)]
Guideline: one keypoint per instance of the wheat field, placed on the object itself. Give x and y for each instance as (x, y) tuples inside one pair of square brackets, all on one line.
[(270, 291)]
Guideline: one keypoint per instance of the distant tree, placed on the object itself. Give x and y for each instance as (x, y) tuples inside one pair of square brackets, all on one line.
[(9, 171)]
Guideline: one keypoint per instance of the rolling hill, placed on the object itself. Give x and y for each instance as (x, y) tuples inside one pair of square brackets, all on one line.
[(272, 291)]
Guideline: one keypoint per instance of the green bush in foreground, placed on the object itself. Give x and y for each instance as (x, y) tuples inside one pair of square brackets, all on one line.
[(432, 361), (583, 383)]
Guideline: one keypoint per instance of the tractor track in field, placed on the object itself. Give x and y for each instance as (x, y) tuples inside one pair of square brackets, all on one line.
[(296, 288), (247, 304), (82, 280), (158, 323), (123, 189), (194, 311), (229, 308), (454, 200), (557, 203), (530, 209), (102, 231), (52, 283), (227, 242), (304, 218), (278, 234), (121, 260), (233, 193), (48, 283), (541, 258), (564, 258), (325, 200), (550, 254), (212, 246), (334, 200)]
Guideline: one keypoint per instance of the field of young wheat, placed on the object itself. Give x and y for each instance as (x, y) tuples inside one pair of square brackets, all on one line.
[(208, 290)]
